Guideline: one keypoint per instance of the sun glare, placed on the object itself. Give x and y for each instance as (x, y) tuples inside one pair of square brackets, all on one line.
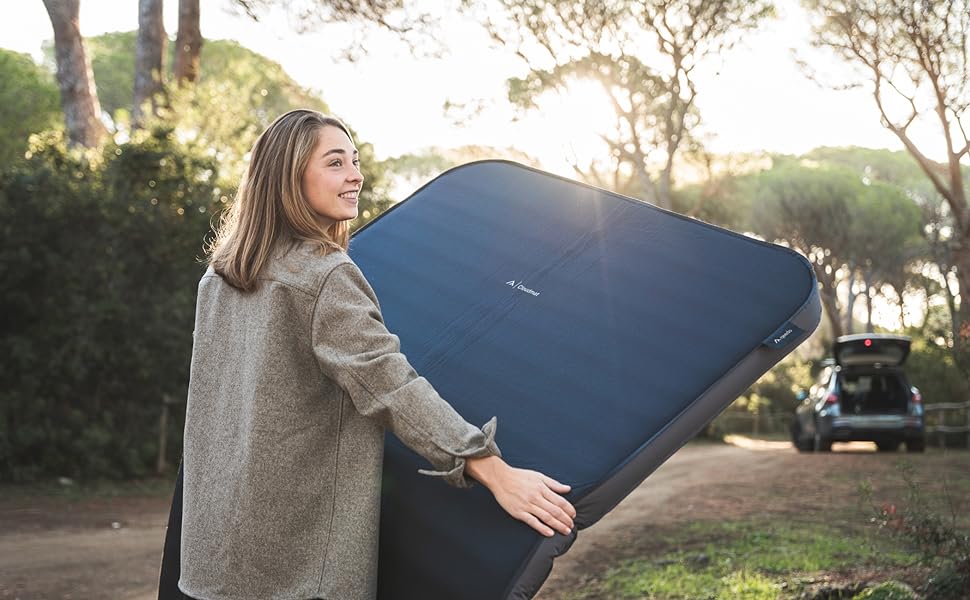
[(569, 124)]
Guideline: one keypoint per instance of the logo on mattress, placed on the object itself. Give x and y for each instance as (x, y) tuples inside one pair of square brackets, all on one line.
[(519, 286), (783, 335)]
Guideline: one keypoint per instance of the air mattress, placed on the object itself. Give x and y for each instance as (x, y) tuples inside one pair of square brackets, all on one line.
[(603, 332)]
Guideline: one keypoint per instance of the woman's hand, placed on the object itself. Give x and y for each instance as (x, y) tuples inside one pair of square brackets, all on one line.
[(528, 496)]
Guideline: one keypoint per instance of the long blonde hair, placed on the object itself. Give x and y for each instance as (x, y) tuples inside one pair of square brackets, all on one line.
[(270, 209)]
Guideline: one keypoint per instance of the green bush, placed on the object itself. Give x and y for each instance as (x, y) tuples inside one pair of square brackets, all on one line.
[(933, 534), (889, 590), (932, 368), (29, 102), (99, 264)]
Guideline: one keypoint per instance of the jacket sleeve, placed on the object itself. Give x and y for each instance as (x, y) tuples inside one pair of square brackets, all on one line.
[(354, 348)]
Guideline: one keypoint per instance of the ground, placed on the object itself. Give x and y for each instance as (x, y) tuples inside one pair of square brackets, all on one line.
[(56, 547)]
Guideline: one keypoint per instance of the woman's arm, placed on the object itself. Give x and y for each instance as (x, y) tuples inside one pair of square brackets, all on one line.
[(355, 349), (528, 496)]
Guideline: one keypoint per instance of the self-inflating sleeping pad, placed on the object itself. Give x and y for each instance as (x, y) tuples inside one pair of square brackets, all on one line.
[(603, 333)]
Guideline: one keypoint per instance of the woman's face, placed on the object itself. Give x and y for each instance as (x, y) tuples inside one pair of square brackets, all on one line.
[(332, 178)]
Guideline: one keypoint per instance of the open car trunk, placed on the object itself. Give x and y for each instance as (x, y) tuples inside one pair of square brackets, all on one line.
[(872, 392)]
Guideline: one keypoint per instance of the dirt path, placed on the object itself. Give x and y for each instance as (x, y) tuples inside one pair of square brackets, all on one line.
[(111, 548)]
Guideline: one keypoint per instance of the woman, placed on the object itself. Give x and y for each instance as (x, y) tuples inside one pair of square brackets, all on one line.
[(294, 380)]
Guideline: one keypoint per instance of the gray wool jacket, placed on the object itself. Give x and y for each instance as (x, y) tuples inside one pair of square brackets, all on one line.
[(291, 389)]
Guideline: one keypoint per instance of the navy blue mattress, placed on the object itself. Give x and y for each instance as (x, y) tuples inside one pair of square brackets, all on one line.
[(602, 331)]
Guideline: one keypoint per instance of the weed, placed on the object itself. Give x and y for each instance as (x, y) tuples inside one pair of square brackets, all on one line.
[(936, 539)]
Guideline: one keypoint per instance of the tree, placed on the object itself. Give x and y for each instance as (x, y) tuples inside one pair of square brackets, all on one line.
[(849, 229), (238, 94), (808, 209), (914, 54), (410, 171), (188, 43), (885, 240), (28, 103), (932, 268), (79, 97), (149, 51), (643, 53)]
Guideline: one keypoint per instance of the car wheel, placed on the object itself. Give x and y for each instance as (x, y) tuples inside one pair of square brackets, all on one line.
[(821, 444), (888, 446), (915, 445), (797, 439)]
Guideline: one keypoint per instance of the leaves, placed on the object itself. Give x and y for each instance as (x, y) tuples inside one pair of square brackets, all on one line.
[(644, 55)]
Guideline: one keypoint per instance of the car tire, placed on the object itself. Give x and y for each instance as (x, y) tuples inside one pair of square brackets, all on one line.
[(915, 445), (821, 444), (888, 446), (797, 439)]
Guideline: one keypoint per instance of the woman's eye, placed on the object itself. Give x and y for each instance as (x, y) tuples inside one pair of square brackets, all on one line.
[(336, 163), (356, 163)]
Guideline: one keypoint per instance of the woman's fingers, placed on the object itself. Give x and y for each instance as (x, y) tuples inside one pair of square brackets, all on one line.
[(534, 522), (548, 515), (555, 486), (557, 506), (532, 498), (560, 502)]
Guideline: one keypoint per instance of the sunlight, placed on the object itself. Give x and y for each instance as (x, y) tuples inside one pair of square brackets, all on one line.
[(569, 125)]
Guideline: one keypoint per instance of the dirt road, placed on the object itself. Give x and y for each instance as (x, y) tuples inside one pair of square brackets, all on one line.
[(110, 548)]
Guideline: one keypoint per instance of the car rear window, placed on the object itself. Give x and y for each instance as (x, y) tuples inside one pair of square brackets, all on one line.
[(872, 392)]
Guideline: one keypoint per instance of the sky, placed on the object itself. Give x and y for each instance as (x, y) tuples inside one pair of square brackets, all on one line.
[(752, 98)]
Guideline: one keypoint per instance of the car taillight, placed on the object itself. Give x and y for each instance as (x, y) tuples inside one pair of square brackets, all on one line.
[(831, 399), (917, 398)]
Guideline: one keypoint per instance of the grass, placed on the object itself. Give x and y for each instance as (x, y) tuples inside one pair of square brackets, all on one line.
[(751, 559)]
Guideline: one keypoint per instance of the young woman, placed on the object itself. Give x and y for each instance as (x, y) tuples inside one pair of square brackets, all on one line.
[(294, 380)]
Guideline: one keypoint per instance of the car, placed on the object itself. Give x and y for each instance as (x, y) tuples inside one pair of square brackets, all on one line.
[(862, 394)]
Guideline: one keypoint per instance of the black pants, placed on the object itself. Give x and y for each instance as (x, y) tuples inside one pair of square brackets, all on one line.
[(168, 578)]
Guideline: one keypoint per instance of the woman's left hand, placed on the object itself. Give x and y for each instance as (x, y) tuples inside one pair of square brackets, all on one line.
[(528, 496)]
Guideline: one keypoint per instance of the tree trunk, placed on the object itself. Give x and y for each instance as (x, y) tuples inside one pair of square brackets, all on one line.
[(188, 43), (850, 303), (902, 307), (867, 279), (79, 96), (663, 193), (148, 58), (961, 318), (827, 293)]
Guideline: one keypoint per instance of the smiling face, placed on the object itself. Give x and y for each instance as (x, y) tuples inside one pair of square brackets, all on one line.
[(332, 179)]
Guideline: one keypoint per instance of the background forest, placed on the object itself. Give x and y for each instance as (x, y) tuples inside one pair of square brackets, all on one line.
[(118, 153)]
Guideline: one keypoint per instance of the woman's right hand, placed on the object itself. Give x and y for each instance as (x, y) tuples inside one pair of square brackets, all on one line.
[(528, 496)]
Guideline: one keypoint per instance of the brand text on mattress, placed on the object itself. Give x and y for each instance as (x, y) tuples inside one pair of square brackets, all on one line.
[(783, 336), (518, 285)]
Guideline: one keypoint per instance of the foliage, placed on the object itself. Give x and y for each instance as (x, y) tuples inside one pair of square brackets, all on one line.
[(407, 19), (931, 368), (29, 102), (888, 590), (644, 56), (937, 539), (723, 201), (99, 261), (412, 170), (914, 57), (839, 222), (238, 95)]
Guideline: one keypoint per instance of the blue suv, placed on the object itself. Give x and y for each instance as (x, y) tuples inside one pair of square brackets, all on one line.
[(862, 395)]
